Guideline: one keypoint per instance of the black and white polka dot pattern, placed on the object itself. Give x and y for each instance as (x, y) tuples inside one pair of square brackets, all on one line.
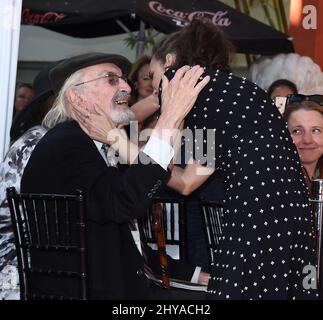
[(267, 237)]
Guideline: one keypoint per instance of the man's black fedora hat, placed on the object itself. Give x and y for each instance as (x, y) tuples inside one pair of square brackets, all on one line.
[(62, 71), (29, 115)]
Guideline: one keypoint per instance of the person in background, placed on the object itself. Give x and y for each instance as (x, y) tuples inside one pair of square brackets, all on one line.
[(278, 92), (26, 132), (281, 88), (140, 77), (23, 95), (305, 123), (142, 89), (36, 110)]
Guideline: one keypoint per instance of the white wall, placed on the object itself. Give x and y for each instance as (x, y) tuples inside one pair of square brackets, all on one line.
[(9, 40)]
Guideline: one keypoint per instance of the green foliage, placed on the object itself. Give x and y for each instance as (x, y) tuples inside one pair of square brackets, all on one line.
[(132, 41), (273, 10)]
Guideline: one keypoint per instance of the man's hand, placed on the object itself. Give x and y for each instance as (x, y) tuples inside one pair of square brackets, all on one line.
[(178, 98), (180, 93)]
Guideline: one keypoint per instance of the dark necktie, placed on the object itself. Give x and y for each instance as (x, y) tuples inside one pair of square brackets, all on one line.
[(109, 156)]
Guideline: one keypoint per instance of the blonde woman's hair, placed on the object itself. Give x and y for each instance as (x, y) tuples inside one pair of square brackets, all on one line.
[(309, 106), (59, 111)]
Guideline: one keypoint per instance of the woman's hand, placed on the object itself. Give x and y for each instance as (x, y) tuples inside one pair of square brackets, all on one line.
[(96, 124), (101, 128)]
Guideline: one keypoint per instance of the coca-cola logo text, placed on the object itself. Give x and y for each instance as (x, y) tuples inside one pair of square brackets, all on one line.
[(218, 18), (29, 17)]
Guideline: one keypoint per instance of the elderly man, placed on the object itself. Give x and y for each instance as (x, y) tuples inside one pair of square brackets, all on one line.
[(67, 159)]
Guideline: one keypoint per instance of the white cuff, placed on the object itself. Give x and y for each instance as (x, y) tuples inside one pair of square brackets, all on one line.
[(196, 274), (159, 150)]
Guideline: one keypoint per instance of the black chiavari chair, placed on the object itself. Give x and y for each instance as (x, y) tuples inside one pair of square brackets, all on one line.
[(50, 244), (212, 212)]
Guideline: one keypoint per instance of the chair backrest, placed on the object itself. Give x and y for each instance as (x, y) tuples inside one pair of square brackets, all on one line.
[(212, 212), (51, 244), (174, 219)]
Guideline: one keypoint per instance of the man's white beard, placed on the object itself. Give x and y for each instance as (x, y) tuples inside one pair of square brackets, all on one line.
[(122, 116)]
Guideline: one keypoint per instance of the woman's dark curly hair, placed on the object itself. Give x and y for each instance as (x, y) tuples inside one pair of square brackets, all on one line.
[(199, 43), (282, 83)]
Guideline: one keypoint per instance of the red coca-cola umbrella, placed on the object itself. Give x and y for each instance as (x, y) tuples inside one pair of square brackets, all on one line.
[(87, 19)]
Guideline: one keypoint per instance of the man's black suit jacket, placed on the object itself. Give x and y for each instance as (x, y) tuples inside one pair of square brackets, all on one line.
[(67, 159)]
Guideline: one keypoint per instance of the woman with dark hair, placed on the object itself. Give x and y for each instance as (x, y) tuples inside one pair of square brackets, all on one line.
[(281, 88), (266, 240), (207, 47), (235, 128), (305, 124), (204, 45)]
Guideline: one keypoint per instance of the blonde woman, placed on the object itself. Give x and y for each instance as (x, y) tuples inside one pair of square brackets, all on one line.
[(305, 124)]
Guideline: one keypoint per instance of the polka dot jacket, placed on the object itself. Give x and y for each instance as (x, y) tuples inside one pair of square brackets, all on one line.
[(267, 227)]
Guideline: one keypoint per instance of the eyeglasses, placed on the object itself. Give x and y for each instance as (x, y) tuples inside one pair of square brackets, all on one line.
[(113, 79), (296, 97)]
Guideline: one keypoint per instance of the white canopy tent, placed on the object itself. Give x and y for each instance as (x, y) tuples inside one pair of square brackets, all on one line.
[(10, 15)]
